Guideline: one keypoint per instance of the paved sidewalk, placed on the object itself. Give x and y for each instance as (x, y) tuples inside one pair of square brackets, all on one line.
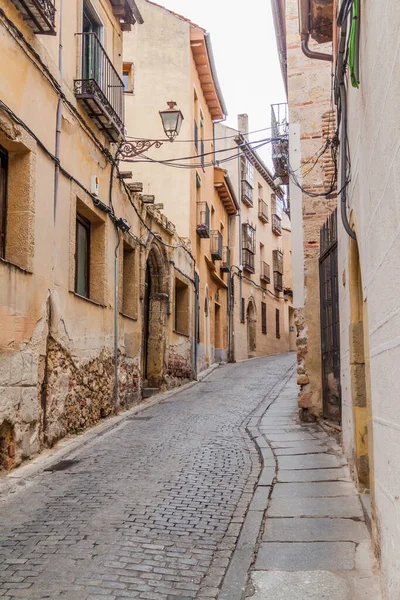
[(312, 543)]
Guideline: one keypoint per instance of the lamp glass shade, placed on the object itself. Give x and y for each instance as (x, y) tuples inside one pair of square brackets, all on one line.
[(172, 122)]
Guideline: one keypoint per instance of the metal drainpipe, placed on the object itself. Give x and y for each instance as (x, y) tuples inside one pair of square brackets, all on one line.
[(59, 116), (311, 54), (240, 238)]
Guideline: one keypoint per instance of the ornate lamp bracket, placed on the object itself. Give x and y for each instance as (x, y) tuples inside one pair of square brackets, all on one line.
[(136, 148)]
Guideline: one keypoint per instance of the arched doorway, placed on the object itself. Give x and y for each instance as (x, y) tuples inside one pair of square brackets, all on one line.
[(251, 329), (359, 365), (155, 312)]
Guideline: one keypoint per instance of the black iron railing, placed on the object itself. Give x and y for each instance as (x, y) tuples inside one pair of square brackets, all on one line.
[(203, 220), (278, 281), (100, 87), (39, 14), (265, 272), (247, 193), (248, 261), (248, 238), (262, 210), (277, 256), (276, 224), (216, 244), (226, 259)]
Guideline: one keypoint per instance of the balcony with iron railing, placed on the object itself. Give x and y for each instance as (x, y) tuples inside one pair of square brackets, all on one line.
[(277, 257), (265, 272), (226, 259), (99, 87), (203, 220), (276, 224), (278, 281), (216, 244), (249, 238), (248, 261), (39, 14), (247, 193), (262, 210)]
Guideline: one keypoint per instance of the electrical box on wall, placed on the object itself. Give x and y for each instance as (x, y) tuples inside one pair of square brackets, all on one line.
[(94, 187)]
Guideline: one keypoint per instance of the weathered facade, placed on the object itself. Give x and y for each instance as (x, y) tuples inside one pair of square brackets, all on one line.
[(196, 196), (65, 251), (312, 123), (261, 281)]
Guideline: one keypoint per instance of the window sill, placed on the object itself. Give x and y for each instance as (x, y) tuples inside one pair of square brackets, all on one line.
[(129, 92), (89, 300), (187, 335), (131, 318), (11, 264)]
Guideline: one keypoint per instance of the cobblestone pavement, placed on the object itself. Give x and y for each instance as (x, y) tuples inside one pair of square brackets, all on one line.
[(151, 510)]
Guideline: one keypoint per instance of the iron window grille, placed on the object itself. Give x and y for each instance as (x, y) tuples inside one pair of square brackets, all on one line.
[(39, 14), (263, 317), (278, 281), (277, 323), (263, 210), (216, 244), (226, 259), (265, 274), (276, 224), (248, 261), (247, 193), (203, 220), (242, 310), (277, 256), (249, 238), (100, 88)]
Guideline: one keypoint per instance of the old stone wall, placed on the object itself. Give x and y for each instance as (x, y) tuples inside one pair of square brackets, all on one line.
[(310, 106)]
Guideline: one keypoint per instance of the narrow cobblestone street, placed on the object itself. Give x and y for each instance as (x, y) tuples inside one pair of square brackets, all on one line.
[(163, 507)]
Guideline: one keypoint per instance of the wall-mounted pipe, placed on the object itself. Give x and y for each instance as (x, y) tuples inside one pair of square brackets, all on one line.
[(59, 113), (304, 22), (311, 54)]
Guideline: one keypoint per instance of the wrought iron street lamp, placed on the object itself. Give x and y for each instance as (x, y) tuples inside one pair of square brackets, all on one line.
[(172, 121)]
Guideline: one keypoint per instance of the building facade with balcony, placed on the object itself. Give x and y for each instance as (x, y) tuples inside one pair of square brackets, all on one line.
[(261, 316), (171, 59), (72, 260)]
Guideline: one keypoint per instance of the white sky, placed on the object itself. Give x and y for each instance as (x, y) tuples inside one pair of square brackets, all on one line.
[(243, 40)]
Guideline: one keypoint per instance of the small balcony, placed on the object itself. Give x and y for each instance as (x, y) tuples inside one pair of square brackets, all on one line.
[(226, 259), (277, 256), (216, 244), (248, 261), (99, 88), (248, 238), (247, 193), (265, 274), (203, 220), (280, 144), (39, 14), (278, 281), (276, 225), (263, 211)]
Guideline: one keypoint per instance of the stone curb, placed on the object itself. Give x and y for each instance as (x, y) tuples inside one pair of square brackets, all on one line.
[(235, 580), (22, 476)]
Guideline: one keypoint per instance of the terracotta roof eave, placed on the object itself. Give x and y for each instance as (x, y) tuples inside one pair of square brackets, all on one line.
[(210, 53), (136, 12)]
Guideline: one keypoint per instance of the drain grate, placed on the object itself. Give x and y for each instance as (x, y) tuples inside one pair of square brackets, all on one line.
[(62, 465)]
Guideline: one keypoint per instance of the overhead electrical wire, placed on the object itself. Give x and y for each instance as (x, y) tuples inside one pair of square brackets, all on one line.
[(226, 137)]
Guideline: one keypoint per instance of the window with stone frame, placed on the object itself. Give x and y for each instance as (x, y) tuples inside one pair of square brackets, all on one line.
[(17, 199), (127, 77), (128, 281), (88, 271), (278, 323), (182, 299)]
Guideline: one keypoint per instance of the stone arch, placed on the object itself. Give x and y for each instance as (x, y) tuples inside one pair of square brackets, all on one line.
[(251, 317), (155, 315)]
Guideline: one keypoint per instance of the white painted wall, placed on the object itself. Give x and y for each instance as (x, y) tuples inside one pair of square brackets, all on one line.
[(374, 199)]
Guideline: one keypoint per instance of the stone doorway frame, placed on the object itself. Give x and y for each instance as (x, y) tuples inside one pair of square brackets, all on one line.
[(153, 364), (251, 318)]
